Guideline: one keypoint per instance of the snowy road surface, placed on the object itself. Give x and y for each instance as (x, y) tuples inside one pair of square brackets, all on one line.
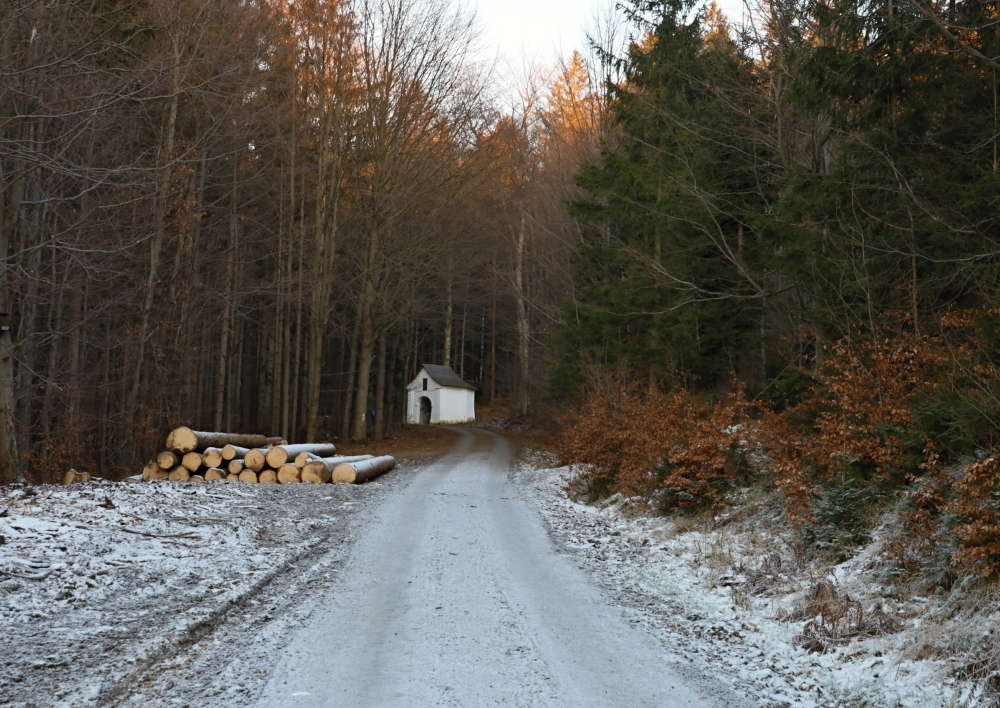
[(457, 596)]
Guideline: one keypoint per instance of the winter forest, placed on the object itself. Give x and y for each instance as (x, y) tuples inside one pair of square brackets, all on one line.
[(265, 215)]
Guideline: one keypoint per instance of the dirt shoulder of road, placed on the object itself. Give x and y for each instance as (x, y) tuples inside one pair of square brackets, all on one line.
[(410, 445)]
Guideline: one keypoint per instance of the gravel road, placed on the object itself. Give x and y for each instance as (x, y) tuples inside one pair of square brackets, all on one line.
[(434, 585), (456, 595)]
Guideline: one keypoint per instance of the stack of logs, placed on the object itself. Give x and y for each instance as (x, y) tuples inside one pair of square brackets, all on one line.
[(193, 456)]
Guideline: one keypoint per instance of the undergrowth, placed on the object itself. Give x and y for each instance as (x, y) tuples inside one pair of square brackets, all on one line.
[(895, 435)]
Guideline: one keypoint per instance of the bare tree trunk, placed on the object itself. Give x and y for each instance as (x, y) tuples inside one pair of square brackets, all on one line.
[(222, 369), (493, 348), (388, 420), (293, 426), (461, 346), (380, 388), (9, 469), (159, 229), (345, 422), (365, 358), (523, 331), (447, 327)]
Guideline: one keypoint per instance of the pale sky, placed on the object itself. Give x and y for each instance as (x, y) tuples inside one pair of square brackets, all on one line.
[(546, 29)]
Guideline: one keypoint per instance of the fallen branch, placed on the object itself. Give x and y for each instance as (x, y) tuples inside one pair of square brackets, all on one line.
[(184, 534)]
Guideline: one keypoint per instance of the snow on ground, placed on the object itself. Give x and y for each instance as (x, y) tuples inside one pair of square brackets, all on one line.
[(102, 585), (731, 600)]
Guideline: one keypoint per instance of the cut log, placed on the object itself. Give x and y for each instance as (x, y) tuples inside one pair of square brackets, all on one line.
[(268, 477), (235, 466), (134, 478), (303, 457), (167, 460), (184, 440), (213, 474), (316, 472), (196, 478), (149, 471), (277, 456), (255, 460), (212, 457), (156, 474), (192, 461), (82, 477), (320, 469), (179, 474), (289, 474), (275, 441), (234, 452), (232, 478), (69, 477), (248, 476), (358, 472)]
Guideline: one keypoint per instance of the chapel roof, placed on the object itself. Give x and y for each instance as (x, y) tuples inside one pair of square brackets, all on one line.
[(446, 376)]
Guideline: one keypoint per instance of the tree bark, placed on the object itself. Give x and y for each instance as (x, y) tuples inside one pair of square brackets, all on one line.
[(278, 456), (380, 387), (184, 440), (523, 330), (358, 472), (345, 423)]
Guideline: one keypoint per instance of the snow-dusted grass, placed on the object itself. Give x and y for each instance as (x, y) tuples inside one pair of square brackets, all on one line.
[(99, 581), (736, 596)]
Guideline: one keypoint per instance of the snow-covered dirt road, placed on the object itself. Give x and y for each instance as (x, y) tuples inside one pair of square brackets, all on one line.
[(456, 596)]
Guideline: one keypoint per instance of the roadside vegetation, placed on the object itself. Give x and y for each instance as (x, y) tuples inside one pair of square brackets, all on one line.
[(785, 301)]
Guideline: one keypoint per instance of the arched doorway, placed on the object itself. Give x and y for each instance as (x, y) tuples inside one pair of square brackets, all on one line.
[(425, 410)]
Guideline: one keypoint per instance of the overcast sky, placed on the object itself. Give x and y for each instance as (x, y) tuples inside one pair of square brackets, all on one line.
[(546, 29)]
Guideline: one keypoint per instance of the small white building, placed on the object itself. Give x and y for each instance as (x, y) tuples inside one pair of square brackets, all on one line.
[(439, 395)]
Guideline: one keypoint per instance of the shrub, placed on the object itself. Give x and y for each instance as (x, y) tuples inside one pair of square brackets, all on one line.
[(677, 447)]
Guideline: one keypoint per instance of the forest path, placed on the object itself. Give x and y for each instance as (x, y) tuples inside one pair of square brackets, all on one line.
[(456, 595)]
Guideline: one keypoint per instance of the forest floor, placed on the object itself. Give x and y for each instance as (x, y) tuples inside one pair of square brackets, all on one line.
[(166, 594), (110, 589)]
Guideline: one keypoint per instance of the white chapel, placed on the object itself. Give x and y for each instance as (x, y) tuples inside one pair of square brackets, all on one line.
[(439, 395)]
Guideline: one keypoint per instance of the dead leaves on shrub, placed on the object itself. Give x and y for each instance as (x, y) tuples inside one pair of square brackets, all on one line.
[(834, 618), (647, 443)]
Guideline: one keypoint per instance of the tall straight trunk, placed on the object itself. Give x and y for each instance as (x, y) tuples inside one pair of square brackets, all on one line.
[(493, 349), (159, 230), (482, 348), (221, 373), (75, 342), (233, 376), (380, 388), (392, 388), (193, 393), (266, 336), (461, 346), (9, 468), (293, 425), (345, 422), (366, 356), (200, 388), (447, 327), (55, 324), (341, 369), (523, 331), (29, 312), (416, 349), (104, 432)]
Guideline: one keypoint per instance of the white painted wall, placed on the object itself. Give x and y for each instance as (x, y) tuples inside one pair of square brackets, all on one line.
[(448, 405)]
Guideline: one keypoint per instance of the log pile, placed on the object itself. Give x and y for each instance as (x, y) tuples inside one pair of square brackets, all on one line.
[(195, 456)]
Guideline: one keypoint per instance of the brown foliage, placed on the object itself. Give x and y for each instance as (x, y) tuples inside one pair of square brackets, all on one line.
[(686, 450), (856, 418), (650, 443)]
